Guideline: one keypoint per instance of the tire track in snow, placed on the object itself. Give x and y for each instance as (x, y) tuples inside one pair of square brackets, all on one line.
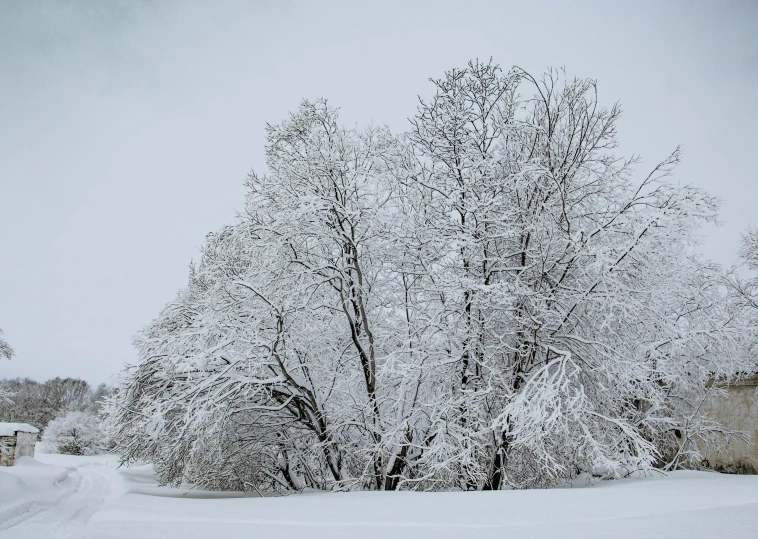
[(65, 517)]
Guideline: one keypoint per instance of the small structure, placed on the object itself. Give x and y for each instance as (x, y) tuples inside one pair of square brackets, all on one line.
[(736, 409), (16, 440)]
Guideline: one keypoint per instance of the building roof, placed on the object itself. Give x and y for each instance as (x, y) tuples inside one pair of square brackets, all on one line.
[(10, 429)]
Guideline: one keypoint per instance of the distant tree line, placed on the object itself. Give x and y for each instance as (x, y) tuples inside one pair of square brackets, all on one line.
[(39, 403), (66, 410)]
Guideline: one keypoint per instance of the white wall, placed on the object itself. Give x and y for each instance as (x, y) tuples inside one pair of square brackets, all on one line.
[(25, 444), (737, 410)]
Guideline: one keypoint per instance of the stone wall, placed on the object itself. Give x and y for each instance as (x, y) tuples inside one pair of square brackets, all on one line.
[(7, 450), (737, 410), (12, 447)]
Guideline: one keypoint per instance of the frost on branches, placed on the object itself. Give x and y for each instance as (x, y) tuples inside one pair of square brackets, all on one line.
[(492, 299), (5, 349), (5, 352)]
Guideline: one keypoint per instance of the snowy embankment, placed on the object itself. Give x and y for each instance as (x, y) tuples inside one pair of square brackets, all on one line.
[(86, 497)]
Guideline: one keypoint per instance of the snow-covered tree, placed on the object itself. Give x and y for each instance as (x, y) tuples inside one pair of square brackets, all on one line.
[(5, 352), (742, 285), (745, 289), (576, 310), (75, 433), (492, 298), (286, 314), (5, 349), (749, 249)]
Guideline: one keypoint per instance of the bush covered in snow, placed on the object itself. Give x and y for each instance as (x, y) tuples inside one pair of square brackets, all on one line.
[(75, 433)]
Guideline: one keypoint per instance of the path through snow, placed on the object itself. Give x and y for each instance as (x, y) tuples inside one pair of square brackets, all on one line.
[(54, 501)]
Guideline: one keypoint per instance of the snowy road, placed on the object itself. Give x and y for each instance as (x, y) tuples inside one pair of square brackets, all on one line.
[(57, 502)]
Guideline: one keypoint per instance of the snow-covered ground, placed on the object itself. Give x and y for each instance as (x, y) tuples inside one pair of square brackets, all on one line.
[(53, 496), (60, 496)]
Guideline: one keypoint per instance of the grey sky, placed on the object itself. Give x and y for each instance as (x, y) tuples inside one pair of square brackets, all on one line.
[(126, 129)]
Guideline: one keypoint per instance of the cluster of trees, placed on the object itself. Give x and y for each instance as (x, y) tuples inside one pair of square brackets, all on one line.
[(39, 403), (492, 298), (66, 410)]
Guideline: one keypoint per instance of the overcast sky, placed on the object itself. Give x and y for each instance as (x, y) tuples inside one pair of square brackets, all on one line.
[(126, 129)]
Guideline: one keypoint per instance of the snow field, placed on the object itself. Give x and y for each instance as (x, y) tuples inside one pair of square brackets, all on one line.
[(89, 498), (684, 504)]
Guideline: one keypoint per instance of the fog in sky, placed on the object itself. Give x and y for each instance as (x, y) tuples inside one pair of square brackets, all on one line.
[(127, 129)]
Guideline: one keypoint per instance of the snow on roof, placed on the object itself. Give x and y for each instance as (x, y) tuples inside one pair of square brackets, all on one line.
[(10, 429)]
